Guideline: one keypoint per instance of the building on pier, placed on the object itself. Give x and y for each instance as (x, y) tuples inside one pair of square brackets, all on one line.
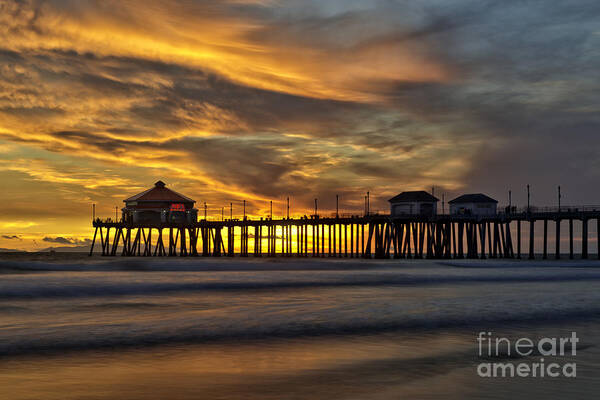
[(473, 204), (159, 205), (378, 236), (413, 203)]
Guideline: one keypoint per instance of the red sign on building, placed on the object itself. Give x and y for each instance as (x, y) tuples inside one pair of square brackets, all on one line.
[(177, 207)]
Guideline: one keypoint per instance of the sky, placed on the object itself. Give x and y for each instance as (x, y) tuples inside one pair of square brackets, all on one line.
[(260, 100)]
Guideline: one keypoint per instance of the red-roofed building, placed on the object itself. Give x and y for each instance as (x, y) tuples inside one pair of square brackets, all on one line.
[(159, 204)]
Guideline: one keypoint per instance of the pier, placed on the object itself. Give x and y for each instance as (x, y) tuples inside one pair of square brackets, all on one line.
[(439, 236)]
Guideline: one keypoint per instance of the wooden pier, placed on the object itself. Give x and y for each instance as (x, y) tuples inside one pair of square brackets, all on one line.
[(375, 236)]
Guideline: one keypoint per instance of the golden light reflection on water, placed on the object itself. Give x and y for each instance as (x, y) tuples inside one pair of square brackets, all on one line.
[(367, 367)]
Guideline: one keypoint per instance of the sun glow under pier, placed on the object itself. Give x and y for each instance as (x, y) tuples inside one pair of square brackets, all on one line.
[(505, 235)]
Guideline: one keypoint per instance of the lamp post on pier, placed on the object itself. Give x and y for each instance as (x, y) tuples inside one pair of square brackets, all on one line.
[(443, 203), (559, 196)]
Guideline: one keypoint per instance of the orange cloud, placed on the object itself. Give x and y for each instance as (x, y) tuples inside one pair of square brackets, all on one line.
[(220, 39)]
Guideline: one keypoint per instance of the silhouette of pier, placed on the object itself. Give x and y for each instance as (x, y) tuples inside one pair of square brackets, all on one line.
[(372, 236)]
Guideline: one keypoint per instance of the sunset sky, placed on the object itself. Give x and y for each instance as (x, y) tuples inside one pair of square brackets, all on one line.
[(260, 100)]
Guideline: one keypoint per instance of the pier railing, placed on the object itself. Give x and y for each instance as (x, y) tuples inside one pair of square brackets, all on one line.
[(347, 235), (502, 212), (546, 209)]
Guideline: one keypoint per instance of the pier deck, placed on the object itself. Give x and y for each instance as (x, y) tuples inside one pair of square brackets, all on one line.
[(373, 236)]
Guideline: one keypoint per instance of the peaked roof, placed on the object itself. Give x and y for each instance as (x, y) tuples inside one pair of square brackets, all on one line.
[(418, 195), (160, 193), (473, 198)]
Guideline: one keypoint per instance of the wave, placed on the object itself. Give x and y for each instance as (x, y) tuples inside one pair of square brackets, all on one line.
[(58, 289), (176, 264), (196, 264), (78, 339)]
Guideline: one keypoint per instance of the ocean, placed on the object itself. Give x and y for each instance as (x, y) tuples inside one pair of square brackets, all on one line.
[(173, 328)]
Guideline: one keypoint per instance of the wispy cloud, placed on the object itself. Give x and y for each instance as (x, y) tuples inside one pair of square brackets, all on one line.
[(18, 224), (247, 43), (43, 171)]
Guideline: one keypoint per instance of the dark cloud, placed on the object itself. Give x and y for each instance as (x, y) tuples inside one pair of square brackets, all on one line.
[(10, 237), (32, 112), (67, 241), (58, 239)]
